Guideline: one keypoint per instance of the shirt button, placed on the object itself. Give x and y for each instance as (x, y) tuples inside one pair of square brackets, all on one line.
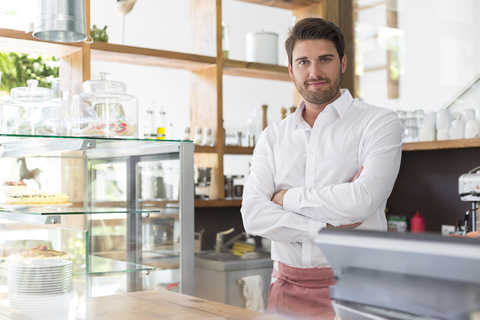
[(306, 252), (312, 153)]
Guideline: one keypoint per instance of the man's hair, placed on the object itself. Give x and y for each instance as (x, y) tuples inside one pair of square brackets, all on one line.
[(315, 29)]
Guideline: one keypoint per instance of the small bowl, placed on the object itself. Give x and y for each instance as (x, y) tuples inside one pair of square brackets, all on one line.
[(10, 187)]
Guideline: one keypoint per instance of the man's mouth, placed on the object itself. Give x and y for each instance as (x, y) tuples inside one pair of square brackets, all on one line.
[(317, 82)]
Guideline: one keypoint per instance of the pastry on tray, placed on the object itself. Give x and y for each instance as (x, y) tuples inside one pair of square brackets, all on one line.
[(10, 247), (39, 253), (36, 197)]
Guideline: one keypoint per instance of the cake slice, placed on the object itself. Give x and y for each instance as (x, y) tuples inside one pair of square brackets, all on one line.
[(36, 197)]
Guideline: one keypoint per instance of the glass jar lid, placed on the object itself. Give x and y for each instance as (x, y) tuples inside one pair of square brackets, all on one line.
[(32, 92), (104, 85)]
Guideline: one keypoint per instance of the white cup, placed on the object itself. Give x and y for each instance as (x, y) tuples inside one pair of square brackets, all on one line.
[(472, 129), (456, 130), (456, 116), (468, 114), (430, 120), (426, 134), (477, 114), (444, 118), (442, 134)]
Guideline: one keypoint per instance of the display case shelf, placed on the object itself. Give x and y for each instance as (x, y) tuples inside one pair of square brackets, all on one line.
[(101, 265)]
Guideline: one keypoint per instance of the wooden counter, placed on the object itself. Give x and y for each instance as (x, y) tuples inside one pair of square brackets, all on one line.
[(161, 304)]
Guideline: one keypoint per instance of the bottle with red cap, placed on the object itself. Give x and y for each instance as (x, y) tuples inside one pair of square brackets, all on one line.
[(418, 223)]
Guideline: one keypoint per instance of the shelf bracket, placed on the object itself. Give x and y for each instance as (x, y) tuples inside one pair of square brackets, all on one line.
[(35, 146)]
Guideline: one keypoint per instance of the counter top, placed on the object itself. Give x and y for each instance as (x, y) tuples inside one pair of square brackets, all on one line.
[(162, 304)]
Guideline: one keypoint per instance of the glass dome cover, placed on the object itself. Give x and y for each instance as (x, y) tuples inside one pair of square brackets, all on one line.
[(32, 111), (104, 85), (104, 109), (31, 96)]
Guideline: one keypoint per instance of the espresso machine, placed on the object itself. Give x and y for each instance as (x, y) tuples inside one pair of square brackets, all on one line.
[(469, 190)]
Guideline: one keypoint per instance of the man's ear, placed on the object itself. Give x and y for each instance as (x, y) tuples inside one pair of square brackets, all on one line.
[(290, 71), (344, 63)]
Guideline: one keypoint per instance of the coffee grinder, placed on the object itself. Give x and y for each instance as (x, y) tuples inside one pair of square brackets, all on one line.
[(469, 190)]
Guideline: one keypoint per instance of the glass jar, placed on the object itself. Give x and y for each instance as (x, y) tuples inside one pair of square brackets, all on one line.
[(104, 109), (32, 111)]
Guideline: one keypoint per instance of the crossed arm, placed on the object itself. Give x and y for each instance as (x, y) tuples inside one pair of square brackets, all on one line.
[(297, 215), (278, 199)]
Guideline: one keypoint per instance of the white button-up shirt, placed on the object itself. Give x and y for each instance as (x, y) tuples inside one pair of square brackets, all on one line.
[(317, 166)]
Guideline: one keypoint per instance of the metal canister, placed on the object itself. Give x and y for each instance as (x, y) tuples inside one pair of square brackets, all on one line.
[(61, 21)]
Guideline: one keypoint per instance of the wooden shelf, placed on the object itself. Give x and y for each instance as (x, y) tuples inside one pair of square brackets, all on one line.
[(205, 149), (19, 41), (255, 70), (284, 4), (447, 144), (102, 51), (238, 150), (218, 203)]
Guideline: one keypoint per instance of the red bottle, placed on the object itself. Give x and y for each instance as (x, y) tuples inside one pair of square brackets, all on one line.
[(418, 224)]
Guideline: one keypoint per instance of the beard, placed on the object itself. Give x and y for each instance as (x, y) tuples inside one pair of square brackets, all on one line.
[(319, 95)]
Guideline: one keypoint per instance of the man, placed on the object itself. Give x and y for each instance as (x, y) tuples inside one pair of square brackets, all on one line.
[(306, 172)]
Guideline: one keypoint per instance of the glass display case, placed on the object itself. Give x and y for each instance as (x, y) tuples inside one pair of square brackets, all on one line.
[(128, 224)]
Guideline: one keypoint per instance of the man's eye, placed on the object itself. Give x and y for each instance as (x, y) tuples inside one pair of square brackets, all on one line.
[(325, 59), (302, 62)]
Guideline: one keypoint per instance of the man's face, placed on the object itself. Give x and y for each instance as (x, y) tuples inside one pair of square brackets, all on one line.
[(317, 70)]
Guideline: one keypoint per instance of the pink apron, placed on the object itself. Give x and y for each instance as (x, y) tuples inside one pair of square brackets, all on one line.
[(301, 293)]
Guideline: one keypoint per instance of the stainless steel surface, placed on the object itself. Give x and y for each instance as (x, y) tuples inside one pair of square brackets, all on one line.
[(40, 146), (30, 218), (187, 209), (61, 21), (424, 275), (228, 261)]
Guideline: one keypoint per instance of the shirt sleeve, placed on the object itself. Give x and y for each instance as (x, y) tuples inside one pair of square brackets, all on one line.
[(263, 217), (347, 203)]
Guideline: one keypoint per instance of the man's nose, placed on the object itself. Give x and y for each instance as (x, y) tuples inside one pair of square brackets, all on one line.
[(314, 70)]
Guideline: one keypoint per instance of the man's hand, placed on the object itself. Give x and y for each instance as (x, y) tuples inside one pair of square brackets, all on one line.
[(278, 197), (357, 175)]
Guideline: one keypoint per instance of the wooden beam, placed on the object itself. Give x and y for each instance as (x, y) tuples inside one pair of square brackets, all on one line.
[(203, 27), (392, 55), (347, 25)]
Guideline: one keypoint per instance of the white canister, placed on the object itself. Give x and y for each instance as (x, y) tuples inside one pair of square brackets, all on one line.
[(262, 47)]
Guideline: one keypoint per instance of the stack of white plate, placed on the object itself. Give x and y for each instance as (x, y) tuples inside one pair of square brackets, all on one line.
[(41, 289)]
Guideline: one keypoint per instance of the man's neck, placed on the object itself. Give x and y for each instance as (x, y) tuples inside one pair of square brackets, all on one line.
[(311, 111)]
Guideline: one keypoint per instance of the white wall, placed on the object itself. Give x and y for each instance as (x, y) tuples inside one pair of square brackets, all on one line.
[(442, 44)]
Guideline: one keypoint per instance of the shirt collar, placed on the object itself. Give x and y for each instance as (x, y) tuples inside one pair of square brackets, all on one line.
[(341, 105)]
